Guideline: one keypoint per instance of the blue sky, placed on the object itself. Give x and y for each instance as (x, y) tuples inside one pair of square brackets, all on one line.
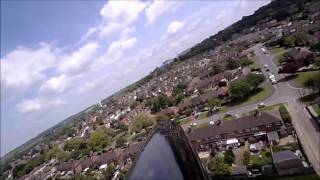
[(59, 57)]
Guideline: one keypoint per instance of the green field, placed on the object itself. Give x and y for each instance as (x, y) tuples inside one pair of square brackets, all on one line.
[(267, 108), (264, 93), (301, 77), (278, 50)]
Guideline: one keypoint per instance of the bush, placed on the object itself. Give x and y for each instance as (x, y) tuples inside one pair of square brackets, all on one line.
[(216, 68), (99, 140), (285, 114), (246, 62), (120, 142), (162, 117), (229, 157), (140, 122), (246, 158), (218, 167), (232, 64)]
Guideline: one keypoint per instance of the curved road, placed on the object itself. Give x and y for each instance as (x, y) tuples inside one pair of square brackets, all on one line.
[(283, 93)]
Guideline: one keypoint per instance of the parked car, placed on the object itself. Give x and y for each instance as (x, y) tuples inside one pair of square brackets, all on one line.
[(260, 105)]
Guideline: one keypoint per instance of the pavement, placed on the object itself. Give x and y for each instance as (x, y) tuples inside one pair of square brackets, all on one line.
[(283, 92)]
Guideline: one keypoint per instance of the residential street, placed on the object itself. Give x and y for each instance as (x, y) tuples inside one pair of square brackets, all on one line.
[(283, 93)]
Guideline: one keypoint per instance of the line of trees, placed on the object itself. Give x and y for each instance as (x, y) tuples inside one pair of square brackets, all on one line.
[(242, 89)]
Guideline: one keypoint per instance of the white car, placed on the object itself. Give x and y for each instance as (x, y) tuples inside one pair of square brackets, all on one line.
[(211, 122), (271, 76), (194, 124), (265, 65), (261, 105)]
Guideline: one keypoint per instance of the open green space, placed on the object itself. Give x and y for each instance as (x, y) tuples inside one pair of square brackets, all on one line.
[(277, 50), (303, 76), (263, 93), (263, 109)]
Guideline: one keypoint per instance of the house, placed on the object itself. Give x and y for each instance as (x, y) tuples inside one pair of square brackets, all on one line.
[(244, 127), (287, 163), (297, 58)]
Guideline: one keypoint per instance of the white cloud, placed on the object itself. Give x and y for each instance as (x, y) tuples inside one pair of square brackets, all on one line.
[(118, 15), (89, 33), (38, 104), (221, 14), (56, 84), (174, 27), (23, 68), (157, 8), (117, 49), (80, 60)]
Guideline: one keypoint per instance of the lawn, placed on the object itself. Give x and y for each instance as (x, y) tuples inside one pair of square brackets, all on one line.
[(261, 159), (186, 120), (267, 108), (290, 146), (301, 77), (301, 177), (278, 50), (202, 125), (316, 108)]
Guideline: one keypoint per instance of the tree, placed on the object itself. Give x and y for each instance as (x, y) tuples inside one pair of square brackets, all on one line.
[(232, 64), (56, 153), (254, 80), (239, 90), (140, 122), (300, 39), (246, 62), (179, 88), (229, 156), (73, 144), (162, 117), (285, 114), (122, 126), (216, 68), (246, 158), (99, 120), (108, 173), (120, 142), (99, 140), (289, 41), (218, 167), (213, 102)]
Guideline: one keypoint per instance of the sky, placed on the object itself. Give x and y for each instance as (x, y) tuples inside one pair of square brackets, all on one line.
[(59, 57)]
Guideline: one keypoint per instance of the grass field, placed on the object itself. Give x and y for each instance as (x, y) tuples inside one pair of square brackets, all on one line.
[(278, 50), (302, 77), (267, 108)]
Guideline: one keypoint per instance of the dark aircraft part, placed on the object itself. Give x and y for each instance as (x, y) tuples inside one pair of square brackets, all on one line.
[(167, 154)]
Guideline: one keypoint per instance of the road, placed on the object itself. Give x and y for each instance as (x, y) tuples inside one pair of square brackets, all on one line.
[(283, 92)]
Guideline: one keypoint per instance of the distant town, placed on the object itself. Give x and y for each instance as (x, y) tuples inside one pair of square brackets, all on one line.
[(249, 105)]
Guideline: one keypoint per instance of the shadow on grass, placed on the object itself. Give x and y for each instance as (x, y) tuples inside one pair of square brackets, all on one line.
[(288, 78), (310, 97)]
